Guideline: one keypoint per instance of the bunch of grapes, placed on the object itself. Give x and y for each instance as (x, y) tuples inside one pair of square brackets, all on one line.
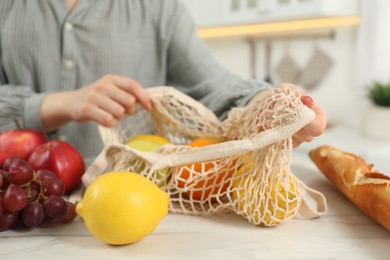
[(31, 197)]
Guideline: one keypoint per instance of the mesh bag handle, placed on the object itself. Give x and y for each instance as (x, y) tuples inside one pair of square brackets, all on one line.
[(306, 209), (235, 147)]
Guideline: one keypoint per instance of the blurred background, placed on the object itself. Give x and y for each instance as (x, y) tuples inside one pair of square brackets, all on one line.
[(333, 49)]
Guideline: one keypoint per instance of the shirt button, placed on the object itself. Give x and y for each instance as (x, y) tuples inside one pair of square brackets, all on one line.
[(68, 63), (68, 26)]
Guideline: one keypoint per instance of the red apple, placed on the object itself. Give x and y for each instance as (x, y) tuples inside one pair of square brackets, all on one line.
[(3, 157), (21, 142), (62, 159)]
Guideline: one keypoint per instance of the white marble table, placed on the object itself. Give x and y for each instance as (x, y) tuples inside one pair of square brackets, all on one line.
[(343, 233)]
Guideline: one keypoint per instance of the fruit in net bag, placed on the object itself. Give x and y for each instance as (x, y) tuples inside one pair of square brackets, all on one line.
[(122, 207), (205, 180), (150, 137), (265, 198), (149, 143)]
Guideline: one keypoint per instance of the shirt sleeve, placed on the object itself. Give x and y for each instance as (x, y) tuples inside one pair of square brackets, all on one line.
[(193, 69), (18, 102)]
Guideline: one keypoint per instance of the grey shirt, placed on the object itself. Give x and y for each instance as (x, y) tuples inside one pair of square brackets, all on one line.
[(45, 48)]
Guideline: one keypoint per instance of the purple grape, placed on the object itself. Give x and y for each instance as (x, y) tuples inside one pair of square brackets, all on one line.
[(5, 179), (28, 197), (8, 220), (20, 172), (1, 205), (33, 214), (54, 206), (44, 174), (52, 186), (15, 198), (33, 191), (70, 213), (10, 161)]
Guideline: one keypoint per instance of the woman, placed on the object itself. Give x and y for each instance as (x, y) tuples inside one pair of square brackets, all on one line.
[(68, 65)]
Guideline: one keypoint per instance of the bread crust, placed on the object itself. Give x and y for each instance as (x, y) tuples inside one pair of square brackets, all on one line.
[(367, 188)]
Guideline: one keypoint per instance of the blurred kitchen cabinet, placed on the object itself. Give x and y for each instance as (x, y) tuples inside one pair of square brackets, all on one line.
[(214, 13)]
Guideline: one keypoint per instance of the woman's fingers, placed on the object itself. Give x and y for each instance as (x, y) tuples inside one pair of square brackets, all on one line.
[(108, 99), (133, 87), (314, 128), (122, 98), (317, 126), (301, 136), (103, 117), (96, 113)]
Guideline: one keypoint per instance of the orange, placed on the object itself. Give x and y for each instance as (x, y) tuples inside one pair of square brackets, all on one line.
[(212, 183), (203, 141)]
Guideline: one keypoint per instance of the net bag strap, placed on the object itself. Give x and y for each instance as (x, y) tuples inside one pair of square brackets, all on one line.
[(235, 147), (306, 209)]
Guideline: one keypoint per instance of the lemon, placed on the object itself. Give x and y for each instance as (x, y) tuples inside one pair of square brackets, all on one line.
[(159, 177), (143, 145), (150, 137), (280, 203), (122, 207)]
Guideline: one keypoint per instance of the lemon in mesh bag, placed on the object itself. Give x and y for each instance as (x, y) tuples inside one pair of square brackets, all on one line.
[(266, 198)]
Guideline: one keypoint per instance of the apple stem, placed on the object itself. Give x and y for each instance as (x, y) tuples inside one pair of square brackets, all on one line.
[(18, 126)]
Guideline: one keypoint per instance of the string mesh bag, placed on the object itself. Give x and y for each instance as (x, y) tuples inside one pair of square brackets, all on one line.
[(246, 169)]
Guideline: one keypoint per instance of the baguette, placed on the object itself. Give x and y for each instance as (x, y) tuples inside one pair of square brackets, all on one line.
[(367, 188)]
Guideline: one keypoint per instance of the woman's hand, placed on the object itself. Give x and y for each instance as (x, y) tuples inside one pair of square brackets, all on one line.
[(315, 127), (105, 101)]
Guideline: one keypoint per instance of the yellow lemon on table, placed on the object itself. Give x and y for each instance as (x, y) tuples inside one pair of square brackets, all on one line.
[(267, 203), (122, 207)]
